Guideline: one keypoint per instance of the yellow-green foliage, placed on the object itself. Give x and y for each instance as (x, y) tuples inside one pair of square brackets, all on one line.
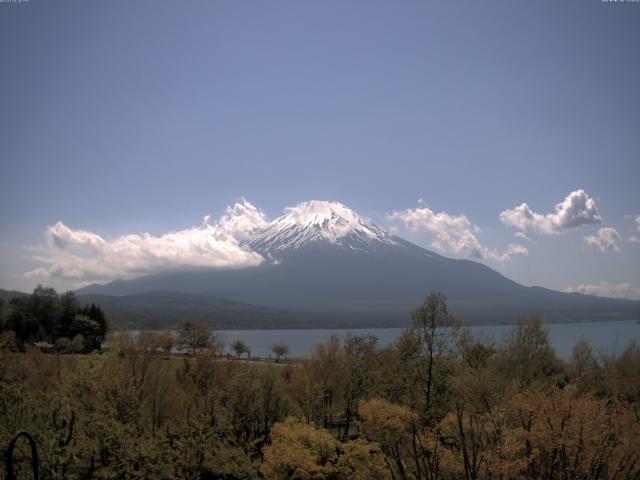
[(307, 453), (349, 411)]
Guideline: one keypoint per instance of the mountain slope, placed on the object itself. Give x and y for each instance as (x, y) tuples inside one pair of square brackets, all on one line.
[(323, 259), (8, 295), (158, 308)]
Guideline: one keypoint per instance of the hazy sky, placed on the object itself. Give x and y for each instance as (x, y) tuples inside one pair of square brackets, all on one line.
[(126, 117)]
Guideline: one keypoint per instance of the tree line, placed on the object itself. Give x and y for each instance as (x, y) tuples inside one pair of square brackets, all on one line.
[(46, 316), (438, 403)]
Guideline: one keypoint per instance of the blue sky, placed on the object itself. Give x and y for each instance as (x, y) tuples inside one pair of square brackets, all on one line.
[(127, 117)]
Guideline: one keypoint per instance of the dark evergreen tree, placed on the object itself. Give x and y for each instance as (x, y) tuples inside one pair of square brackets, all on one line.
[(68, 311), (44, 315), (44, 306)]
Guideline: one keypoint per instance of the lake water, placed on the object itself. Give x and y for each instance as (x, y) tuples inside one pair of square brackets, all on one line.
[(606, 337)]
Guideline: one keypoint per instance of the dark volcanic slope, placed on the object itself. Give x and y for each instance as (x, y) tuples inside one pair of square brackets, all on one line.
[(158, 308), (8, 295), (382, 287)]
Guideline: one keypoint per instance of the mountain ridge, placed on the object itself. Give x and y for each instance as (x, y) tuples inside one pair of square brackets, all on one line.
[(156, 309), (324, 259)]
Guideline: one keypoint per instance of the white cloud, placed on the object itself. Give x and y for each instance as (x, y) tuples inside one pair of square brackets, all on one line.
[(636, 238), (85, 256), (605, 240), (521, 235), (453, 234), (613, 290), (512, 249), (575, 210)]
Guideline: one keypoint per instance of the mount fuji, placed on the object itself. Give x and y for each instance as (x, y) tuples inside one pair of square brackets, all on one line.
[(324, 262), (314, 222)]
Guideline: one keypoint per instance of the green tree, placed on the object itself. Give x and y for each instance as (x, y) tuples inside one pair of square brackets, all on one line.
[(436, 330), (240, 348), (583, 359), (166, 340), (89, 329), (359, 355), (77, 344), (68, 311), (194, 336), (44, 305), (63, 344), (527, 353), (624, 374), (95, 313), (280, 350)]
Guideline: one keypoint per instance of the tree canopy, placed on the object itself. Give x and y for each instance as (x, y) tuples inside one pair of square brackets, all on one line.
[(45, 316)]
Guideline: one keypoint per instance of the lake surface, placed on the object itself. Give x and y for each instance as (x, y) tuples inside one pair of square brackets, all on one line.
[(606, 337)]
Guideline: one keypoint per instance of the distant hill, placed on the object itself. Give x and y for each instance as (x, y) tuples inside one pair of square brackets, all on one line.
[(325, 260), (8, 295), (162, 308)]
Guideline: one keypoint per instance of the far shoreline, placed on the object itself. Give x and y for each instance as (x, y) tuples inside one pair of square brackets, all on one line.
[(124, 328)]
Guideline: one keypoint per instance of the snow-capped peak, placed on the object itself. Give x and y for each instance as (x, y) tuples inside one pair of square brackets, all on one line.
[(332, 219), (315, 221)]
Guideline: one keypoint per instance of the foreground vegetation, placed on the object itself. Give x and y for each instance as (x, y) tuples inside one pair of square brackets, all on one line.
[(437, 404)]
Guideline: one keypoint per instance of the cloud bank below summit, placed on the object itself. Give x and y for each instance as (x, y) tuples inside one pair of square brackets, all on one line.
[(84, 256), (612, 290)]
